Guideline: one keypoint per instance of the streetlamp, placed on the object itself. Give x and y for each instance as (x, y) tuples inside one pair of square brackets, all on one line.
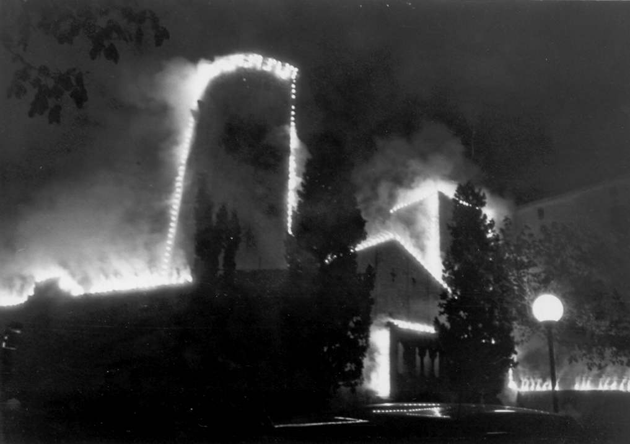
[(548, 310)]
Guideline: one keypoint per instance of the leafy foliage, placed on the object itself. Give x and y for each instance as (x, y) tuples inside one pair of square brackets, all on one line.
[(343, 318), (217, 238), (327, 226), (477, 315), (583, 269), (207, 246), (328, 223), (104, 28)]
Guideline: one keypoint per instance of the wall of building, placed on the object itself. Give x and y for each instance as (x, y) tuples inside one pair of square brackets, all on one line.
[(241, 156), (446, 214), (403, 289), (603, 208), (403, 360)]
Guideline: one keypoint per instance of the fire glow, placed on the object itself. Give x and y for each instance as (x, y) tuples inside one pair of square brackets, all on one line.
[(433, 187), (377, 366), (128, 271), (207, 72), (413, 326), (426, 190), (579, 383), (104, 285), (387, 236), (427, 195)]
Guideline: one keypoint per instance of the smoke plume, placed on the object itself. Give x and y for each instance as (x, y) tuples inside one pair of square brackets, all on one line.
[(95, 212), (398, 189), (402, 168)]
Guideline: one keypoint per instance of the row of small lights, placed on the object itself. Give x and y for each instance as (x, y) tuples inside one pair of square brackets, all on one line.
[(177, 195), (605, 384), (145, 282), (414, 201), (409, 408), (582, 383), (414, 326), (294, 145), (206, 73), (416, 412), (409, 404), (340, 420), (434, 186), (151, 283), (386, 236), (409, 202)]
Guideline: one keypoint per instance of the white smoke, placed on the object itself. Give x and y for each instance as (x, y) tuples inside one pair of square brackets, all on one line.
[(99, 220), (171, 93), (397, 187), (183, 87), (85, 235), (402, 168)]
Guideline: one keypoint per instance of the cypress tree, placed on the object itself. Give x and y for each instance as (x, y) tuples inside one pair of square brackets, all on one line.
[(476, 322), (327, 227)]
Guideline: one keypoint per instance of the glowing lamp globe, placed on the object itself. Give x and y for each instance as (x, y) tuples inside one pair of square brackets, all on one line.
[(548, 308)]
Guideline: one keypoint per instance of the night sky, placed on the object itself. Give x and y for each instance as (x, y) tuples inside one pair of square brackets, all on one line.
[(542, 86), (535, 94)]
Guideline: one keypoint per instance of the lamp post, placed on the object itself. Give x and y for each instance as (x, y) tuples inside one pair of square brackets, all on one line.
[(548, 310)]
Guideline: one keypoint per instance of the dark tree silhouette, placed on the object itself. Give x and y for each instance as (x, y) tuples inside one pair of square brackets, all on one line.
[(208, 242), (217, 239), (477, 320), (232, 241), (585, 269), (66, 22), (328, 225)]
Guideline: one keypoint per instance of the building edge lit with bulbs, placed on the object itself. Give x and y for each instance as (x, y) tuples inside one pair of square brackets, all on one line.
[(407, 289), (404, 360)]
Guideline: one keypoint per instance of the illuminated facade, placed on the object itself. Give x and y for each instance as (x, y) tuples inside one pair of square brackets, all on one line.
[(165, 259), (241, 146), (403, 360)]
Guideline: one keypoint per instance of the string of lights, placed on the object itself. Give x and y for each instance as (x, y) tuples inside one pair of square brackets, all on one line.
[(207, 72)]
